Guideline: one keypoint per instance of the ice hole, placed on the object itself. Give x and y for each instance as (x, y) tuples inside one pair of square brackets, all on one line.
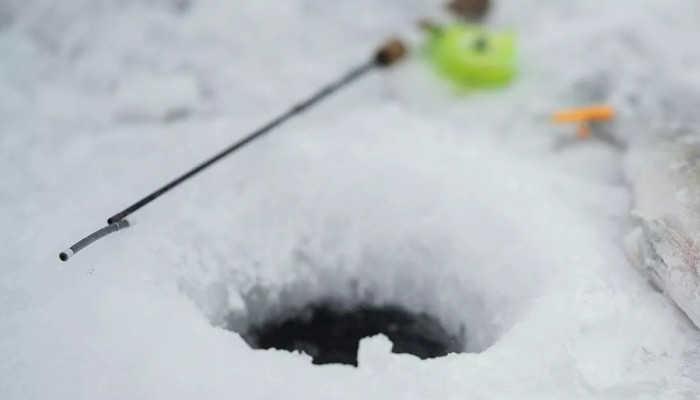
[(330, 334)]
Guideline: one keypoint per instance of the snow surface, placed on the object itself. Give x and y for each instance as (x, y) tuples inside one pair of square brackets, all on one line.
[(472, 208)]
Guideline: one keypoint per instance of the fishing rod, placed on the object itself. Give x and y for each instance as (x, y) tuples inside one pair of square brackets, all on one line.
[(387, 55)]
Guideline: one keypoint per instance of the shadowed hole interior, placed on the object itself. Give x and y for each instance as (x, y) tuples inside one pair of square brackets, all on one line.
[(331, 334)]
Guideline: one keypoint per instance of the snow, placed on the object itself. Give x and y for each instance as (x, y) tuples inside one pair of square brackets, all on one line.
[(472, 208)]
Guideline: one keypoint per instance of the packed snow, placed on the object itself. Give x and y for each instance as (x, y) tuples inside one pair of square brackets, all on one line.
[(472, 208)]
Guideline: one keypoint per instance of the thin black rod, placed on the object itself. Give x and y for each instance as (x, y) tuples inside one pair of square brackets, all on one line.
[(93, 237), (354, 74)]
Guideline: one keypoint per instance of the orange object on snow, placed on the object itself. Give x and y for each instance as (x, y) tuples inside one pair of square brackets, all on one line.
[(584, 116)]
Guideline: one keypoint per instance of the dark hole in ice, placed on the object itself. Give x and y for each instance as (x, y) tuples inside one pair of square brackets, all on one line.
[(331, 335)]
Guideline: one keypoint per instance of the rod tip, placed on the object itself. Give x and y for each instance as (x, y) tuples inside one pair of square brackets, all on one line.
[(65, 255)]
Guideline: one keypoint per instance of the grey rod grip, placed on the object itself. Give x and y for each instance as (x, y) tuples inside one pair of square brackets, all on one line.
[(93, 237)]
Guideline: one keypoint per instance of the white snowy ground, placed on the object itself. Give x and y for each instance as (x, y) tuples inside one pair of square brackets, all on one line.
[(397, 190)]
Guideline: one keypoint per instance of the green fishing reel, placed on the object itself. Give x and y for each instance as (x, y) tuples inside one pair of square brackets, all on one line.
[(473, 56)]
